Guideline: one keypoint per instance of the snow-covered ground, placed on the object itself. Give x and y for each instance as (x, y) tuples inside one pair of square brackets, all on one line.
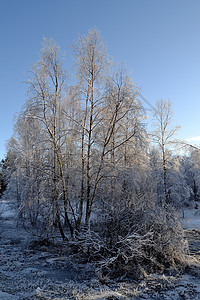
[(191, 219), (30, 272), (7, 209)]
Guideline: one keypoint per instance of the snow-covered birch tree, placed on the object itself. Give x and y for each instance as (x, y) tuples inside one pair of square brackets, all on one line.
[(163, 134)]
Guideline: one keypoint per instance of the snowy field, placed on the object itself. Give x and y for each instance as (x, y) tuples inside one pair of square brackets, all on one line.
[(42, 272), (191, 219)]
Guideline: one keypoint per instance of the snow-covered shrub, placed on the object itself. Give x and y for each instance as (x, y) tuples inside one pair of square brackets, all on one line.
[(37, 219), (134, 243)]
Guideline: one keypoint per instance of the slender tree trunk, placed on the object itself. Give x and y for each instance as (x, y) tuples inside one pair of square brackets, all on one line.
[(83, 162), (165, 176), (88, 204)]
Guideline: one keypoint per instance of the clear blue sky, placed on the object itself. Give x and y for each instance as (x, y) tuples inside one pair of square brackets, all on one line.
[(158, 40)]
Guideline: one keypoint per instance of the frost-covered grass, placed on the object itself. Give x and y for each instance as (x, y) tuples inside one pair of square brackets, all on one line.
[(31, 271)]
